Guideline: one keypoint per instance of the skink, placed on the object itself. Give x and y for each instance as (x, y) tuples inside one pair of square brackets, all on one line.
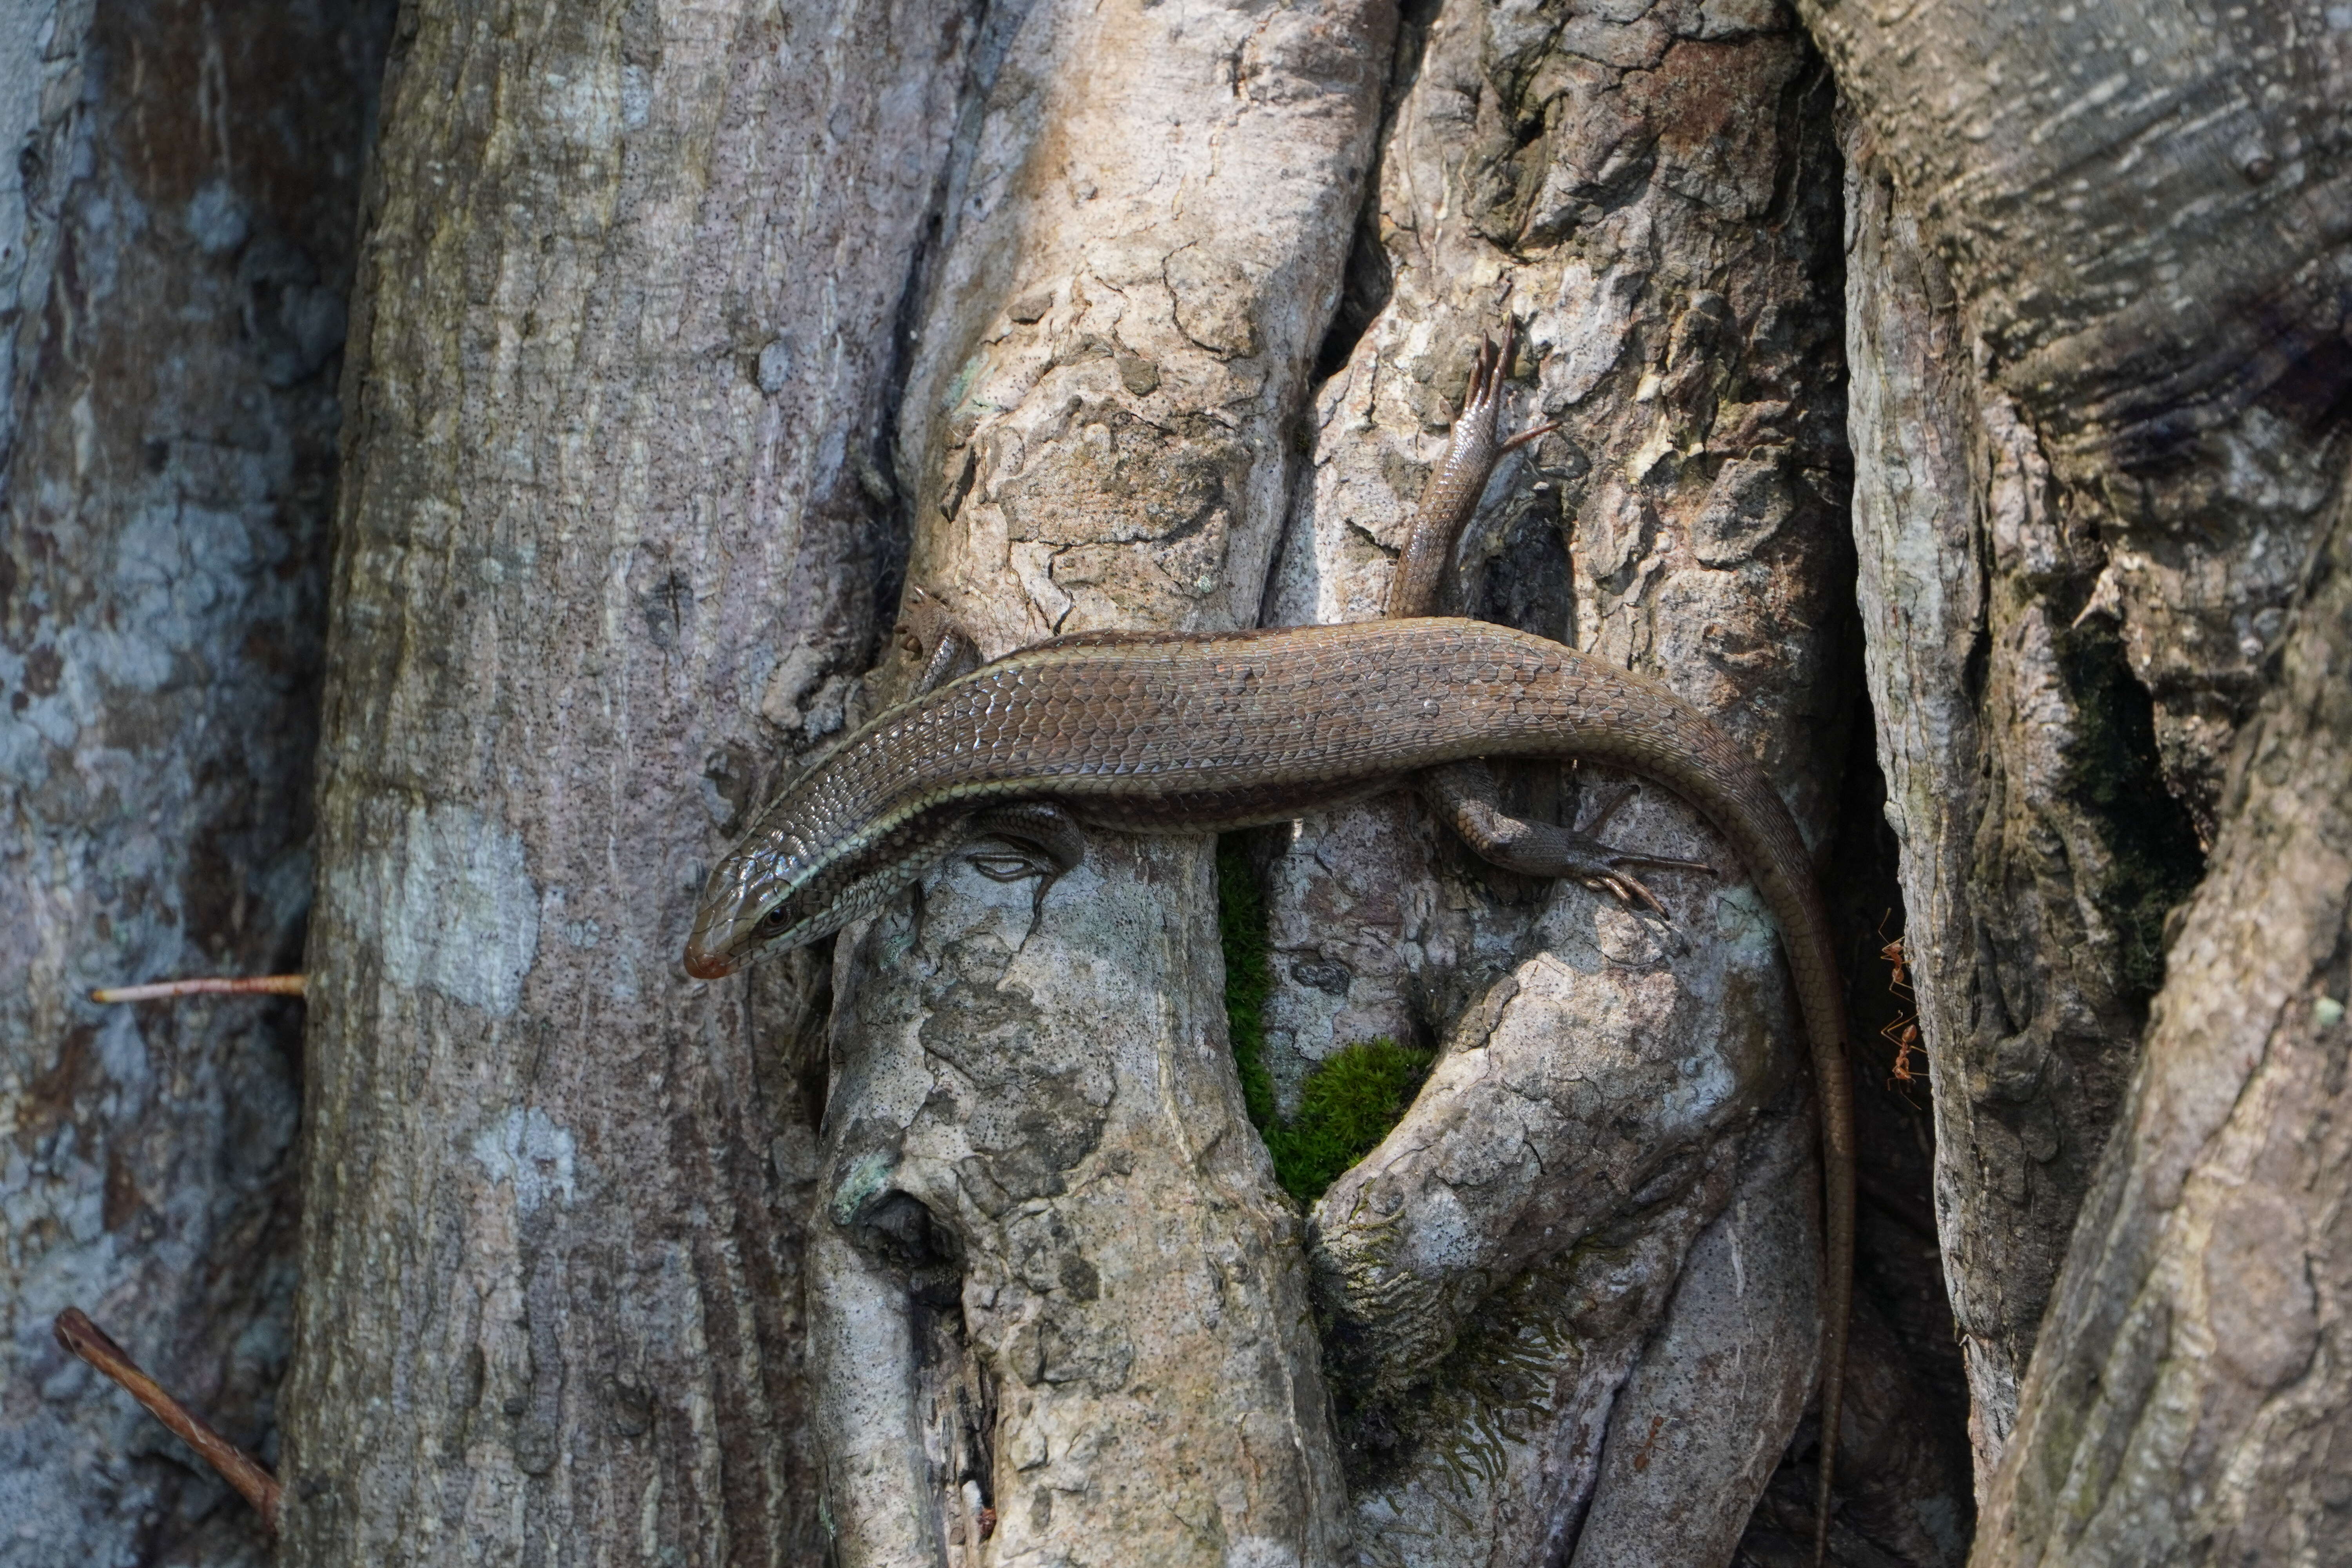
[(1153, 732)]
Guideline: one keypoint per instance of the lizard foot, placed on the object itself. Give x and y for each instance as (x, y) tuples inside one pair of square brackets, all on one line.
[(1039, 838), (1465, 794), (924, 624), (1482, 401)]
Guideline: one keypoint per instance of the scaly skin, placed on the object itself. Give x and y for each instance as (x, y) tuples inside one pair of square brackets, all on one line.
[(1148, 731)]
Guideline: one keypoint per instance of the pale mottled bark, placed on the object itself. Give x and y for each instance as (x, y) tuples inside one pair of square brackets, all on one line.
[(2096, 268), (613, 521), (1652, 190), (175, 245), (1726, 1374), (1044, 1145), (1036, 1130)]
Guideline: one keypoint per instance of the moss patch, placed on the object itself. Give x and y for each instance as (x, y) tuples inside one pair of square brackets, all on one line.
[(1249, 974), (1344, 1108), (1347, 1105)]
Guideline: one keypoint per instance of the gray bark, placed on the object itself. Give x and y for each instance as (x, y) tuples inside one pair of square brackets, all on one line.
[(1652, 190), (2028, 934), (2142, 209), (684, 335), (175, 247), (2187, 1401), (2095, 268), (612, 524)]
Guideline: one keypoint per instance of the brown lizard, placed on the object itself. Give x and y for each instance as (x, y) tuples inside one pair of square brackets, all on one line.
[(1199, 732)]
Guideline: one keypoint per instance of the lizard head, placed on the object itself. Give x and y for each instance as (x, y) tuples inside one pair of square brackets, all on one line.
[(757, 899), (789, 883)]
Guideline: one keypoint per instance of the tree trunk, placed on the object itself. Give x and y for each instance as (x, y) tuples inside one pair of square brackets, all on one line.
[(612, 536), (2093, 295), (2195, 1334), (1114, 1352), (1657, 198), (175, 250), (1002, 1338), (687, 335)]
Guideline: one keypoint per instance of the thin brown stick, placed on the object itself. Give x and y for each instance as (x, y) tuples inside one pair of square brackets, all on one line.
[(240, 1469), (233, 985)]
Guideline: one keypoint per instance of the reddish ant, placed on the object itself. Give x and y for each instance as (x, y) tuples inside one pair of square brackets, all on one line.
[(1899, 981), (1903, 1034)]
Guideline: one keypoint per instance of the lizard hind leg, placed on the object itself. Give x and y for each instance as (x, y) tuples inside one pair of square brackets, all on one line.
[(1464, 794)]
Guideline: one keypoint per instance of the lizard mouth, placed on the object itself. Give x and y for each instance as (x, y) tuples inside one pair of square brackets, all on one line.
[(705, 965)]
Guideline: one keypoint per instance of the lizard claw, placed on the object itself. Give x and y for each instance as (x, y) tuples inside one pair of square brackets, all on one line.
[(1013, 867), (1602, 867), (1484, 397), (1465, 794), (1482, 400), (1533, 432), (1627, 889)]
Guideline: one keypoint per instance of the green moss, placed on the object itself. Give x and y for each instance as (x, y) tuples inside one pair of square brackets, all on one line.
[(1249, 975), (1344, 1108), (1347, 1105)]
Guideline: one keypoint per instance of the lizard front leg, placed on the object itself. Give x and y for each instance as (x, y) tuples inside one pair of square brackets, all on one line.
[(1040, 838)]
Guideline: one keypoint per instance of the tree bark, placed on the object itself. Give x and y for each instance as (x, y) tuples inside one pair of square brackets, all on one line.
[(2082, 504), (686, 336), (1653, 190), (613, 531), (1058, 1237), (2187, 1401), (176, 250)]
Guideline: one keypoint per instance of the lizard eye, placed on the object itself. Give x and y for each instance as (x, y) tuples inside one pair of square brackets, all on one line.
[(774, 920)]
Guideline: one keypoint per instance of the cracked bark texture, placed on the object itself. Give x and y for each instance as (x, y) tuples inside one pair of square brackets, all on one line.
[(684, 333), (1063, 1287), (1652, 191), (2096, 289), (2186, 1403), (613, 518), (175, 250), (1063, 1265)]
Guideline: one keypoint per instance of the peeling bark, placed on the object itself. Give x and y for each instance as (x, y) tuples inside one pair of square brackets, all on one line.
[(176, 250)]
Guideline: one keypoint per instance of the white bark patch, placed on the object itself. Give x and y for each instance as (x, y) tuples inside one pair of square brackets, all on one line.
[(457, 912), (1593, 314), (526, 1149)]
